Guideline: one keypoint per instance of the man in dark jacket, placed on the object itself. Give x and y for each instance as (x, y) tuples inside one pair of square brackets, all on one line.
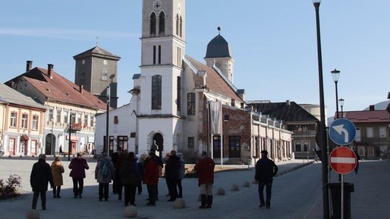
[(172, 170), (205, 170), (40, 177), (265, 171)]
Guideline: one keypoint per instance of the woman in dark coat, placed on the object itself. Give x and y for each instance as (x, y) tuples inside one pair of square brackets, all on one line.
[(40, 177), (129, 175), (78, 166)]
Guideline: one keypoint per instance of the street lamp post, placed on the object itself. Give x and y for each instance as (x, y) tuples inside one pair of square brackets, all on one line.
[(341, 101), (336, 75), (70, 135), (107, 147), (323, 141)]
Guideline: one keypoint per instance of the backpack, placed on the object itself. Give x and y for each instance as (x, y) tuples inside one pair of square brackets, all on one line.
[(104, 170)]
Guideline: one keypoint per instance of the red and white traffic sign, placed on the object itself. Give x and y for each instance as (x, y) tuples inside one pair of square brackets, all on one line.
[(343, 160)]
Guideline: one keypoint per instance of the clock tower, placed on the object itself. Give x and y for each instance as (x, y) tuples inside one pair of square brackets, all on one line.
[(163, 47), (96, 69)]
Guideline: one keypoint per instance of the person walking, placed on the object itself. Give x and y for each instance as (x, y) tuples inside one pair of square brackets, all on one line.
[(40, 177), (129, 175), (57, 170), (181, 175), (116, 184), (357, 162), (104, 173), (78, 165), (265, 171), (151, 176), (140, 163), (205, 170), (172, 171)]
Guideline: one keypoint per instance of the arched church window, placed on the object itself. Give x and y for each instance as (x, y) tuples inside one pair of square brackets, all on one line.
[(177, 24), (153, 24), (191, 104), (156, 92), (161, 23), (181, 27)]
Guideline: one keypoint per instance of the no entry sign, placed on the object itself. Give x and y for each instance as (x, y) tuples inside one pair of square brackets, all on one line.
[(343, 160)]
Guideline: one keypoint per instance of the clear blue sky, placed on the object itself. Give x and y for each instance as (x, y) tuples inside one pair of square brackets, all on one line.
[(273, 43)]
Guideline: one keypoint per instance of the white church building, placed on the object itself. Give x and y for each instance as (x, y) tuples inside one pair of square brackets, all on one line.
[(183, 104)]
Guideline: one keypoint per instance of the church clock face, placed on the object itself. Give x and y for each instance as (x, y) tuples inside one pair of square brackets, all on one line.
[(157, 5)]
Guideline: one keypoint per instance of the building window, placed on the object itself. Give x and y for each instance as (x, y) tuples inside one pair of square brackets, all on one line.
[(181, 27), (156, 92), (191, 142), (358, 135), (382, 132), (65, 116), (159, 54), (154, 55), (91, 120), (177, 24), (51, 116), (153, 24), (178, 101), (35, 122), (104, 75), (161, 23), (78, 118), (59, 115), (191, 104), (24, 121), (370, 132), (123, 142), (14, 119), (298, 147), (85, 120)]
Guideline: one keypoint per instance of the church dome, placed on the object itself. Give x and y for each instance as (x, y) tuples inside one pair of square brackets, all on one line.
[(218, 48)]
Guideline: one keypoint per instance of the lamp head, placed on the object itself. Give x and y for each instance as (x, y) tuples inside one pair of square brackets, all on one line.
[(335, 75), (316, 1), (341, 101)]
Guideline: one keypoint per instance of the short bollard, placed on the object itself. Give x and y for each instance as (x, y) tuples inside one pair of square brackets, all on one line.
[(235, 187), (33, 214), (130, 212), (220, 191)]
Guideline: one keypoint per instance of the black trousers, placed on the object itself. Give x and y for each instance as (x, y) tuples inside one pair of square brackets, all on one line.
[(180, 187), (139, 186), (103, 190), (35, 199), (130, 190), (268, 189), (172, 188), (152, 191), (56, 191), (78, 185)]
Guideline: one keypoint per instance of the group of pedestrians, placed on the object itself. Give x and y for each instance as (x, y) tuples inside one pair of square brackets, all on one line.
[(42, 174), (128, 172)]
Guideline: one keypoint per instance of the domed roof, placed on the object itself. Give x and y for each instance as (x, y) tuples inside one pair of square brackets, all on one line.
[(218, 47)]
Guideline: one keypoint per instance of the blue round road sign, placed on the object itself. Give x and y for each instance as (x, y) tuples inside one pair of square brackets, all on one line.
[(342, 131)]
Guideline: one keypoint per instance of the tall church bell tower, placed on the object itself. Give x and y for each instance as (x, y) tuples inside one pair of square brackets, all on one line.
[(162, 50)]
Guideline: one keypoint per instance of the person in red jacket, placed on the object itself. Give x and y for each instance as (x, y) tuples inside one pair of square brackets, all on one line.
[(151, 176), (205, 170)]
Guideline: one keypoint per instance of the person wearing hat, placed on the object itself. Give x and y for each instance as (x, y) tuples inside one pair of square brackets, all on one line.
[(40, 177), (266, 169), (205, 170), (78, 165)]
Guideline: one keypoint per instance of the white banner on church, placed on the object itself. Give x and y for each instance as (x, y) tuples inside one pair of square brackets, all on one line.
[(215, 117)]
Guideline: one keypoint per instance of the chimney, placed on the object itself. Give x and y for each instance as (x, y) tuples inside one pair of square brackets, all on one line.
[(28, 65), (50, 70), (288, 103), (81, 87), (372, 108)]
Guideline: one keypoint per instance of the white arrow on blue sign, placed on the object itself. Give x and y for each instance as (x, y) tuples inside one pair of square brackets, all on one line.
[(342, 131)]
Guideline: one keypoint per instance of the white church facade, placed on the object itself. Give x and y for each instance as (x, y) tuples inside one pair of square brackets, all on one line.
[(179, 103)]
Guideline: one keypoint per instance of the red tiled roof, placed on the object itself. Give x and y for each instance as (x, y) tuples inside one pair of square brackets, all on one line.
[(214, 82), (61, 89), (368, 116)]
